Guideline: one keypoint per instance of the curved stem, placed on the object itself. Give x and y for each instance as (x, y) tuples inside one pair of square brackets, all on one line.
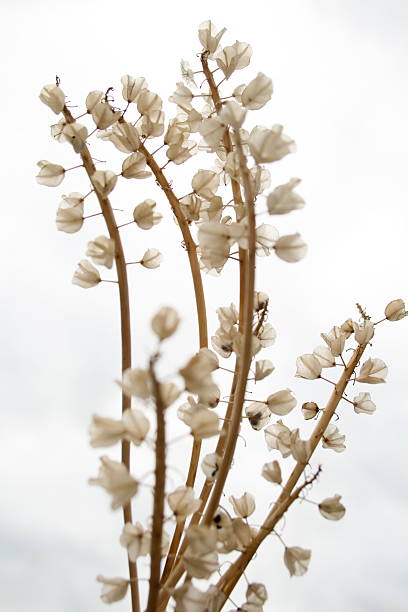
[(125, 331)]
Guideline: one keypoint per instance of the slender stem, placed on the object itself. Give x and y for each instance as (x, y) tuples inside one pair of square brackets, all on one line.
[(246, 356), (228, 581), (125, 331), (159, 492)]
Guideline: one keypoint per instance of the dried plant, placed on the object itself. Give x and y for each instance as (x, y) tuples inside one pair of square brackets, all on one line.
[(190, 534)]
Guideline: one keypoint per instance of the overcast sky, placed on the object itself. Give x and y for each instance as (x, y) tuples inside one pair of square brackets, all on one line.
[(340, 90)]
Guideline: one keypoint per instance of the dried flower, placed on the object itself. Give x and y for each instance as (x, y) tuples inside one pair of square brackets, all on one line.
[(137, 382), (104, 431), (50, 174), (151, 259), (115, 478), (200, 566), (148, 102), (332, 509), (134, 166), (132, 87), (76, 134), (209, 37), (205, 183), (335, 340), (165, 322), (204, 424), (269, 145), (333, 439), (114, 589), (310, 410), (232, 114), (189, 599), (283, 199), (290, 248), (297, 560), (86, 275), (364, 332), (53, 96), (300, 448), (263, 368), (136, 426), (257, 93), (308, 366), (258, 415), (243, 506), (102, 251), (373, 371), (70, 213), (281, 402), (325, 356), (145, 216), (277, 437), (395, 310), (104, 181), (256, 594), (362, 403), (169, 392), (210, 465), (182, 502), (104, 115), (271, 471), (136, 540), (234, 57)]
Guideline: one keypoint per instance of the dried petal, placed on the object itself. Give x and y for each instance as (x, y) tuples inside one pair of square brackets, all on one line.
[(395, 310), (373, 371), (332, 509), (165, 322), (297, 560), (271, 471), (308, 366), (86, 275), (281, 402), (114, 589), (102, 251), (257, 93), (290, 248), (362, 403), (115, 478), (53, 96)]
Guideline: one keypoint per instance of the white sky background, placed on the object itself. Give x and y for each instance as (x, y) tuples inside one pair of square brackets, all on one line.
[(340, 90)]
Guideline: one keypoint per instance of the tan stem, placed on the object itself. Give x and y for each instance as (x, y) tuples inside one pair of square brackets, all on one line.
[(246, 356), (110, 221), (228, 581), (159, 492)]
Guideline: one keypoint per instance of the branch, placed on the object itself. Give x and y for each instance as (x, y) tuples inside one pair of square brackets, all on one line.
[(125, 330)]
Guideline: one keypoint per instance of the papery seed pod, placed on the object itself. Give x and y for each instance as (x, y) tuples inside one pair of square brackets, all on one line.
[(102, 251), (86, 275), (395, 310), (373, 371), (281, 402), (257, 93), (53, 96), (210, 465), (114, 589), (50, 175), (209, 37), (335, 340), (363, 332), (165, 322), (76, 134), (243, 506), (325, 356), (308, 366), (271, 471), (258, 415), (291, 248), (277, 436), (137, 382), (333, 439), (70, 213), (234, 57), (145, 215), (104, 181), (332, 509), (104, 431), (269, 145), (114, 477), (297, 560), (310, 410), (136, 540), (136, 426), (263, 368), (151, 259), (182, 502), (132, 87), (363, 404)]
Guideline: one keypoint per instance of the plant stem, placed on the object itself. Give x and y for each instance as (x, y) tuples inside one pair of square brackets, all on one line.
[(125, 332), (159, 490), (228, 581)]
